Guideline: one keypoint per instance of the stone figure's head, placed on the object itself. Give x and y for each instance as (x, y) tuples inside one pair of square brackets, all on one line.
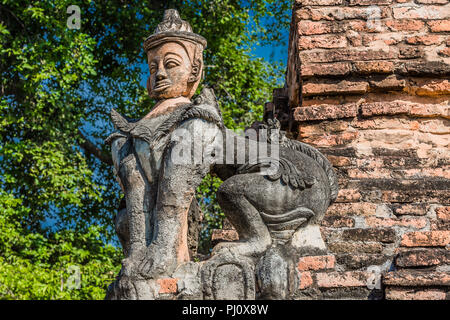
[(175, 58)]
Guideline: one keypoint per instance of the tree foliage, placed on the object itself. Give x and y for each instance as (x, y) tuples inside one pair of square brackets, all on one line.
[(58, 195)]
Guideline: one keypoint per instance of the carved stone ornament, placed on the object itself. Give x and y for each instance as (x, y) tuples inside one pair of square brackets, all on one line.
[(275, 190)]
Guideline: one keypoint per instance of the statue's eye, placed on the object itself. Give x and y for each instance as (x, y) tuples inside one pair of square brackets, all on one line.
[(172, 64), (152, 69)]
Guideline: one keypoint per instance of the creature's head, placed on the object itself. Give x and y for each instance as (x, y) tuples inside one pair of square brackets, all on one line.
[(175, 58)]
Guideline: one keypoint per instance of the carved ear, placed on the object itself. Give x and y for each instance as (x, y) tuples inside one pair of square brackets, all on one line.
[(149, 89), (195, 73)]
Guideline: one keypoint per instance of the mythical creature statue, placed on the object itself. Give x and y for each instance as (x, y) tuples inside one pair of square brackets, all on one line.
[(275, 199)]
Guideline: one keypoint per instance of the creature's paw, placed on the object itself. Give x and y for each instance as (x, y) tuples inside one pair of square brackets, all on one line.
[(247, 248)]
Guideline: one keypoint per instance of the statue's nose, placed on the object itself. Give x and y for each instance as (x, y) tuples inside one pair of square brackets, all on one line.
[(161, 75)]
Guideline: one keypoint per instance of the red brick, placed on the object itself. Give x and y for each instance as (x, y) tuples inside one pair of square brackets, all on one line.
[(414, 294), (445, 52), (333, 55), (349, 209), (385, 108), (439, 25), (336, 13), (392, 82), (422, 258), (443, 213), (343, 279), (348, 195), (417, 223), (344, 86), (369, 2), (405, 25), (332, 139), (329, 69), (426, 40), (337, 222), (167, 285), (316, 263), (407, 278), (305, 280), (369, 67), (426, 239), (322, 41), (422, 12), (415, 209), (325, 111), (430, 110), (319, 2), (318, 27), (339, 161), (432, 1)]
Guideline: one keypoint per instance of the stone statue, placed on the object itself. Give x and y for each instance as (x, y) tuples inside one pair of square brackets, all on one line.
[(275, 199)]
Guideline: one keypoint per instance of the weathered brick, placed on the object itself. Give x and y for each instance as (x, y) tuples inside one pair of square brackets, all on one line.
[(339, 161), (426, 39), (319, 2), (349, 209), (413, 209), (386, 235), (306, 280), (430, 110), (167, 285), (439, 25), (410, 52), (328, 140), (370, 67), (445, 52), (417, 223), (369, 2), (414, 294), (432, 1), (348, 195), (339, 13), (421, 12), (385, 108), (426, 239), (325, 111), (316, 263), (443, 213), (326, 69), (344, 86), (347, 247), (392, 82), (405, 25), (306, 27), (407, 278), (338, 222), (430, 87), (360, 261), (333, 55), (322, 41), (422, 258), (343, 279)]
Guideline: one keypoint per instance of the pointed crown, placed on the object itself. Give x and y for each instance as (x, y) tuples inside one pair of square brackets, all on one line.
[(173, 28)]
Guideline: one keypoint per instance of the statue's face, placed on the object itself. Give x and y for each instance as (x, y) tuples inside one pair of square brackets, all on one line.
[(170, 68)]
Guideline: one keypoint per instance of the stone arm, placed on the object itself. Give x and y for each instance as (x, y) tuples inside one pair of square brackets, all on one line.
[(185, 163)]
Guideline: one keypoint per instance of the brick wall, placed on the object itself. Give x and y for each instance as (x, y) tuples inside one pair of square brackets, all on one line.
[(368, 84)]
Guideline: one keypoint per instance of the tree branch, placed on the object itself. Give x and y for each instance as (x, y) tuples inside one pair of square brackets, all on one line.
[(90, 148)]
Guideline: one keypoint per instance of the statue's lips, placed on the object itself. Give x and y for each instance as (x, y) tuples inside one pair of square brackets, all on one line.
[(159, 86)]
